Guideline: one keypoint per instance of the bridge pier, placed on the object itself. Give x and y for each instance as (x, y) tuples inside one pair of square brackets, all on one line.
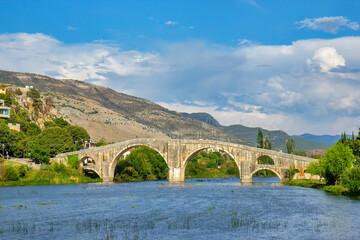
[(176, 174), (246, 179)]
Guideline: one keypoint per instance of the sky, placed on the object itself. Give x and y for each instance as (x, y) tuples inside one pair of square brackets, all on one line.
[(288, 65)]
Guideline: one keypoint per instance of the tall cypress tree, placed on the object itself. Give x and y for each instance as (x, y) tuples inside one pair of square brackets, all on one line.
[(260, 139)]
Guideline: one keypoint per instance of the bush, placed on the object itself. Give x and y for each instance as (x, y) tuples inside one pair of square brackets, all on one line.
[(73, 161), (351, 180), (22, 170), (8, 173)]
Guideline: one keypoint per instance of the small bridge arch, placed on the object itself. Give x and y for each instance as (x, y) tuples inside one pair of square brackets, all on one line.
[(269, 168)]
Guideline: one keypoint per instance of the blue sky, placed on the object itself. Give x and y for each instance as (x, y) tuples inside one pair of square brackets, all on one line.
[(290, 65)]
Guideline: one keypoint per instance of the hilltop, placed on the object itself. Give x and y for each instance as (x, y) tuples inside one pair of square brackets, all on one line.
[(111, 115)]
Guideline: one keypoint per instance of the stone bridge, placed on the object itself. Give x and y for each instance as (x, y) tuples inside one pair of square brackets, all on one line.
[(177, 154)]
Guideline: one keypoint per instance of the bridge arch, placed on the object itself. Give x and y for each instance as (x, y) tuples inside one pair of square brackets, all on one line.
[(193, 153), (120, 153), (215, 148), (84, 169), (87, 160), (265, 159), (266, 168)]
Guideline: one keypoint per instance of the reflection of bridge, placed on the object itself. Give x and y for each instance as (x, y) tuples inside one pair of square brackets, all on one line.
[(177, 153)]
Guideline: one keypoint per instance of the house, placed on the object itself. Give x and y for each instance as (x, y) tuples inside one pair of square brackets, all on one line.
[(90, 144), (2, 90), (4, 111)]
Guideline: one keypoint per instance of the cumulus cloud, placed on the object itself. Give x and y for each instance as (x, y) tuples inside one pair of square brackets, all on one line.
[(328, 24), (43, 54), (256, 85), (327, 58)]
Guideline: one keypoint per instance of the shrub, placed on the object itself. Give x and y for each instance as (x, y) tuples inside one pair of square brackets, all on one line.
[(8, 173), (22, 170), (351, 180), (73, 161)]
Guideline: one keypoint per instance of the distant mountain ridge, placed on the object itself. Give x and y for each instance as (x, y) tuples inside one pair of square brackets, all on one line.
[(204, 117), (278, 137), (320, 138)]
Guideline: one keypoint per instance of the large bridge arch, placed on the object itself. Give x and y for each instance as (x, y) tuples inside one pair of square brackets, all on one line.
[(194, 152), (120, 153)]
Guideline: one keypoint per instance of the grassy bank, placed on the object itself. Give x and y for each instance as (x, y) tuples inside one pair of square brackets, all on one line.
[(337, 190), (22, 175)]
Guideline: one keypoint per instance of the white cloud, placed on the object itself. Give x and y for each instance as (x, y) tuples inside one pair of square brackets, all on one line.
[(276, 83), (255, 85), (169, 22), (71, 28), (328, 24), (43, 54), (327, 58)]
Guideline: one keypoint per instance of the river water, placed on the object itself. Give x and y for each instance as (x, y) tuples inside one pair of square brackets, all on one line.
[(197, 209)]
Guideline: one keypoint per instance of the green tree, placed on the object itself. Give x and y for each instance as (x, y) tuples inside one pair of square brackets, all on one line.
[(143, 163), (260, 139), (351, 179), (61, 122), (38, 152), (267, 143), (313, 169), (78, 135), (290, 146), (56, 139), (337, 159), (33, 93)]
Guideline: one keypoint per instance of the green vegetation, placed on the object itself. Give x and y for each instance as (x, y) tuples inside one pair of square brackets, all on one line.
[(73, 161), (263, 143), (211, 164), (142, 164), (40, 145), (290, 146), (58, 136), (55, 173), (340, 168)]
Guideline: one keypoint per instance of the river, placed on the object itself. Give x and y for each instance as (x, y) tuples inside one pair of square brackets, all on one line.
[(197, 209)]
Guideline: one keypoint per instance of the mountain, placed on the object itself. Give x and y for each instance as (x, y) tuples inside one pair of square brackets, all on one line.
[(204, 117), (111, 115), (320, 138), (278, 137)]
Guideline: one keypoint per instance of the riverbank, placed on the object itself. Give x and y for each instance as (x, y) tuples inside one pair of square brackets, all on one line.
[(337, 190), (22, 175)]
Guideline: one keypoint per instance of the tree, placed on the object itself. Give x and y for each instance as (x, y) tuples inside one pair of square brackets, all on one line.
[(267, 143), (78, 135), (351, 179), (313, 169), (337, 159), (260, 139), (61, 122), (56, 139), (39, 153), (290, 145)]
